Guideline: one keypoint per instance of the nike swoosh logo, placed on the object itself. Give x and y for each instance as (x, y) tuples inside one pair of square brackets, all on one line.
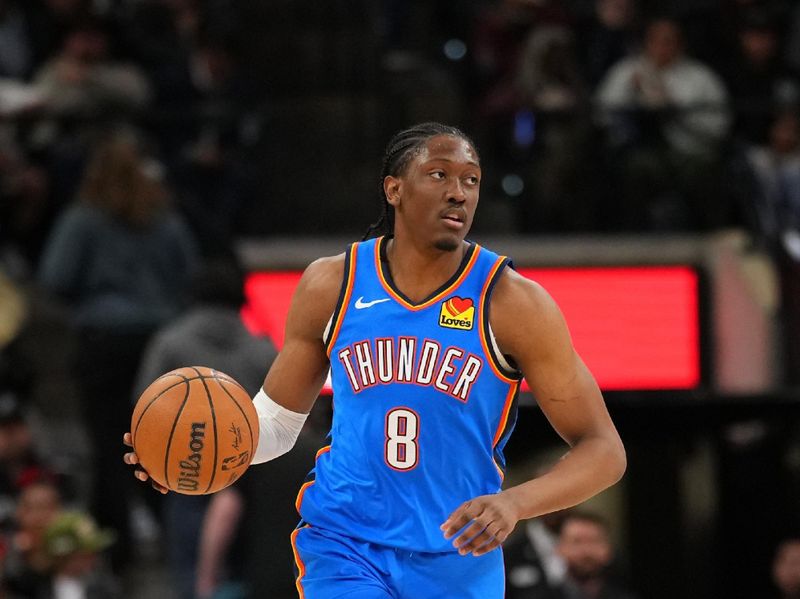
[(361, 304)]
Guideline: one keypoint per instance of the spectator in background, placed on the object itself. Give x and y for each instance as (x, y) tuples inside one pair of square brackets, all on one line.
[(82, 78), (534, 567), (19, 462), (157, 34), (586, 548), (786, 569), (773, 205), (53, 19), (26, 565), (775, 167), (610, 35), (210, 333), (500, 36), (80, 83), (553, 97), (73, 545), (548, 77), (208, 152), (665, 117), (17, 51), (791, 48), (14, 316), (756, 77), (501, 31), (26, 206), (120, 258), (23, 185)]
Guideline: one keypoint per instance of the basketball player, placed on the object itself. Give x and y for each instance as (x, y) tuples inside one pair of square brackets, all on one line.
[(427, 336)]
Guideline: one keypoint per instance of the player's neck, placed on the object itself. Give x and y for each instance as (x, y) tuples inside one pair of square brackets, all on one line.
[(419, 271)]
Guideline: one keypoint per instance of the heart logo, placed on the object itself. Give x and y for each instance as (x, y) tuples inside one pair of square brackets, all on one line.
[(457, 305)]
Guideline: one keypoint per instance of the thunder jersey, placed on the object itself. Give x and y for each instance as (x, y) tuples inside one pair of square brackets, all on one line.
[(423, 404)]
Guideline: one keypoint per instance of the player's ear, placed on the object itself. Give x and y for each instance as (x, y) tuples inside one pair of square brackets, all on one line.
[(391, 188)]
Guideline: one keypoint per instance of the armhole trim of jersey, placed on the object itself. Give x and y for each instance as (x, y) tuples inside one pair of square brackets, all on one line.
[(501, 359), (335, 323), (501, 366)]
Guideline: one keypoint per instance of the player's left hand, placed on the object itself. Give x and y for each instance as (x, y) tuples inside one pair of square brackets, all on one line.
[(488, 519), (132, 459)]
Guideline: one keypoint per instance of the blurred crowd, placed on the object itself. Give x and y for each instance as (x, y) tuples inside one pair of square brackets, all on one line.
[(592, 115), (570, 555), (132, 156), (72, 71)]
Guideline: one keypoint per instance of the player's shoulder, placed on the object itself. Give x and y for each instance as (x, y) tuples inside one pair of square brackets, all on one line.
[(323, 277), (325, 267), (521, 310), (517, 292), (316, 294)]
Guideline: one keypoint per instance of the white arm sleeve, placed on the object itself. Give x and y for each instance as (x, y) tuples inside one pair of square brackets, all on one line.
[(277, 428)]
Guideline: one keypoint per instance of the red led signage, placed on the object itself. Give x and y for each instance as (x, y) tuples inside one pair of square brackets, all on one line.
[(637, 328)]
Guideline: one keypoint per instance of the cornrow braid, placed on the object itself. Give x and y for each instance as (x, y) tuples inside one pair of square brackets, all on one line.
[(400, 150)]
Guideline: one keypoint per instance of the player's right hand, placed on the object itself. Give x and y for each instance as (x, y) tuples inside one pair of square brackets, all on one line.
[(139, 472)]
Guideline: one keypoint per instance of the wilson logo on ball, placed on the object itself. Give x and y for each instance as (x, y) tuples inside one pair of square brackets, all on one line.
[(190, 467)]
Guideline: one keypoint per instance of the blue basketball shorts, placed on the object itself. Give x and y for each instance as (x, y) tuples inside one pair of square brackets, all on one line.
[(334, 566)]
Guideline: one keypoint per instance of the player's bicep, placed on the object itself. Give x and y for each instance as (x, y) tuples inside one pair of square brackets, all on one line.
[(298, 372), (573, 404)]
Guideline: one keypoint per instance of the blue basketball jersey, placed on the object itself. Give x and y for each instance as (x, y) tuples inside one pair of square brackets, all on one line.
[(423, 405)]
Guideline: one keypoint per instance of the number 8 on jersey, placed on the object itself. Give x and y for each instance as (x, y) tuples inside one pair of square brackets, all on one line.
[(402, 429)]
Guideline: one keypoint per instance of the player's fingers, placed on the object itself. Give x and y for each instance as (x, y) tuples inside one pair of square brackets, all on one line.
[(486, 535), (489, 536), (143, 476), (460, 518), (490, 545), (130, 458), (496, 532), (454, 523), (490, 532), (127, 439), (468, 535), (500, 534)]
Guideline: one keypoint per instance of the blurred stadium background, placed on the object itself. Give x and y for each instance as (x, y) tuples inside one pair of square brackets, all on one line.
[(664, 217)]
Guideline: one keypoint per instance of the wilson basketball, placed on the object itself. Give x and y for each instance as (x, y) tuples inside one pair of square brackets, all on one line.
[(195, 430)]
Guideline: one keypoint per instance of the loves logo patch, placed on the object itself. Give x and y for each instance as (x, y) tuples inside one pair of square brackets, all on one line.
[(457, 313)]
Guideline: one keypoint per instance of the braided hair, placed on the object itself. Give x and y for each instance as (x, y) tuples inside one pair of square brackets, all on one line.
[(401, 149)]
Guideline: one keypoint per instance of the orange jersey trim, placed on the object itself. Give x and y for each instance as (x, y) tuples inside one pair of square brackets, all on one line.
[(501, 427), (499, 472), (299, 501), (351, 275), (434, 299), (504, 414), (301, 567), (481, 329)]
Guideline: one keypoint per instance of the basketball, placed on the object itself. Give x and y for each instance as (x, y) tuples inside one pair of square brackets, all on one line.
[(195, 430)]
